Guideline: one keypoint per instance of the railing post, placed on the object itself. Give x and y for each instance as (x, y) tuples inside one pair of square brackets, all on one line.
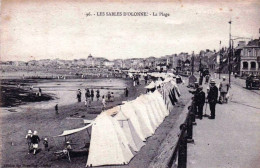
[(182, 153), (190, 127), (192, 110)]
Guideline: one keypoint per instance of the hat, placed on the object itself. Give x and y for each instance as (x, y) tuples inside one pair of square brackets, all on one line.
[(29, 131), (212, 82), (35, 133), (68, 142), (224, 77), (45, 139)]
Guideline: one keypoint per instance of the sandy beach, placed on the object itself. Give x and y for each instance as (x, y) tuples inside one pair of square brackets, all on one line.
[(14, 127)]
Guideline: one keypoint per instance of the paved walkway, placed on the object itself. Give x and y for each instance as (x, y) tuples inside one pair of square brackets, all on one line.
[(232, 140)]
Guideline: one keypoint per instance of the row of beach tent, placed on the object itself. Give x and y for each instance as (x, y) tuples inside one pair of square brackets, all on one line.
[(120, 132)]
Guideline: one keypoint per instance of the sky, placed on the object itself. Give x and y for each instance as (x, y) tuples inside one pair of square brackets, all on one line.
[(33, 30)]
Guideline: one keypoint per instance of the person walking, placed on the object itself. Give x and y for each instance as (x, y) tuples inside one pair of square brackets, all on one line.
[(35, 142), (29, 140), (46, 144), (92, 94), (86, 94), (223, 89), (56, 109), (98, 94), (199, 99), (212, 98)]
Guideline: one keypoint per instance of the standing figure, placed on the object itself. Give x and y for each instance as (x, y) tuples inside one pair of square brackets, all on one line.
[(40, 92), (207, 79), (35, 142), (103, 102), (199, 99), (79, 95), (212, 98), (137, 80), (45, 143), (108, 96), (145, 79), (29, 140), (98, 94), (134, 81), (126, 92), (223, 89), (92, 94), (56, 109), (112, 97), (86, 94)]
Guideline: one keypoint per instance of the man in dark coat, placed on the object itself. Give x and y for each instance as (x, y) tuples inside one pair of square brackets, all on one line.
[(35, 142), (199, 99), (212, 98)]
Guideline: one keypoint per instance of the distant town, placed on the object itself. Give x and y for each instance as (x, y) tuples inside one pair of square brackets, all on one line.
[(243, 59)]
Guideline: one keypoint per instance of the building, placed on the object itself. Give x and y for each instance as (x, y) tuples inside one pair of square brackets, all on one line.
[(250, 58)]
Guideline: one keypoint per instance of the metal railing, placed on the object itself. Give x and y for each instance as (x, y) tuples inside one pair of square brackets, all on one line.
[(179, 156)]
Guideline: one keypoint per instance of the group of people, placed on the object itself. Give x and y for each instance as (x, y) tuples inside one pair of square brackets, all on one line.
[(200, 99), (136, 80), (212, 97), (33, 141), (89, 95)]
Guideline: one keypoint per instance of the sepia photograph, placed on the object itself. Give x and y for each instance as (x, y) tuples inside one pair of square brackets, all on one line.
[(130, 84)]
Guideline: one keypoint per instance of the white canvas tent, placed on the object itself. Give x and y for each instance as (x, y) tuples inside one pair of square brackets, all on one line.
[(109, 145), (150, 86), (73, 131), (143, 113), (155, 108), (134, 140), (150, 112), (120, 132), (129, 112), (161, 103)]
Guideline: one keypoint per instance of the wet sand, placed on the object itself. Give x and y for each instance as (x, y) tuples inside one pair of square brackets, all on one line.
[(14, 127)]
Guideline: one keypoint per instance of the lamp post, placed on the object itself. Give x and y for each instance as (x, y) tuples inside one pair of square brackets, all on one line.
[(192, 63), (219, 59), (230, 53)]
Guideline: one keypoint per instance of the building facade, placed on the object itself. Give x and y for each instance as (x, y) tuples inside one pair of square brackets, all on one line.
[(250, 58)]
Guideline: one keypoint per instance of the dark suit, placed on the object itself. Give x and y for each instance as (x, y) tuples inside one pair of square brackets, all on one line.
[(212, 99), (199, 99)]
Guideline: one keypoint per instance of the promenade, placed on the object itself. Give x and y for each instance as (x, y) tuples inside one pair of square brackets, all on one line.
[(232, 139)]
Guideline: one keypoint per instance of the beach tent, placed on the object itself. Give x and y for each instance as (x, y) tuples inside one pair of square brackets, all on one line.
[(157, 111), (143, 111), (142, 114), (150, 86), (129, 112), (112, 111), (151, 111), (134, 140), (161, 103), (73, 131), (109, 145), (158, 100)]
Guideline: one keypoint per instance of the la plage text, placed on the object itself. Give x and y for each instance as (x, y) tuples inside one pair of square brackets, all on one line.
[(144, 14)]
